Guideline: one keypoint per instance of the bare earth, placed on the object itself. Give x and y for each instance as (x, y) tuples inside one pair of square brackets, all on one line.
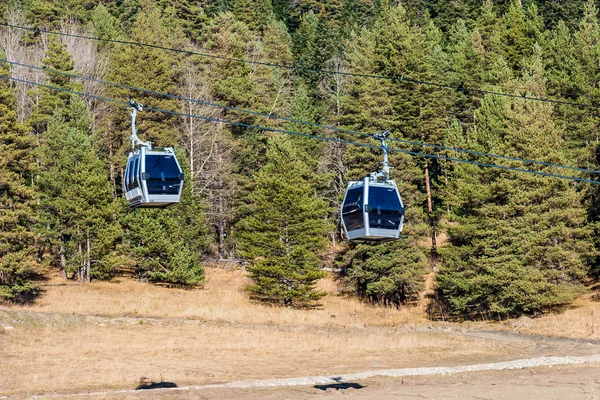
[(573, 382), (104, 340)]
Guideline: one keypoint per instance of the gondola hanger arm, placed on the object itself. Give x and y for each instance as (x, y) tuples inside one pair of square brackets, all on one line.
[(385, 170), (135, 140)]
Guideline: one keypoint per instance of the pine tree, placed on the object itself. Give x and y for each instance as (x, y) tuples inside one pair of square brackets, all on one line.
[(520, 244), (255, 14), (17, 201), (581, 83), (104, 25), (57, 58), (385, 274), (464, 68), (188, 15), (285, 231), (167, 245), (78, 216), (151, 69), (372, 105), (316, 40)]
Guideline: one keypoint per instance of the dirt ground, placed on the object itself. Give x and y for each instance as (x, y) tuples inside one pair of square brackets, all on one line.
[(573, 382), (578, 382), (110, 339)]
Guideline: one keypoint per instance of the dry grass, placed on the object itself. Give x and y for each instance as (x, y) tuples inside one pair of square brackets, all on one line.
[(76, 353), (111, 335), (581, 320), (222, 299)]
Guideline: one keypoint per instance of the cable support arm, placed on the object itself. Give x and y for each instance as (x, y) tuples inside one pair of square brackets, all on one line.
[(385, 170), (135, 140)]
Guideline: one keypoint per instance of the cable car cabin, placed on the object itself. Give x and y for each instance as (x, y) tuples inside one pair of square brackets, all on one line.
[(153, 178), (380, 218)]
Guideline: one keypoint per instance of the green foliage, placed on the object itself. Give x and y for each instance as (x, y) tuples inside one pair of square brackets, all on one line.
[(519, 242), (104, 24), (50, 13), (78, 215), (151, 69), (509, 233), (255, 14), (17, 201), (185, 14), (167, 245), (57, 58), (388, 274), (285, 231)]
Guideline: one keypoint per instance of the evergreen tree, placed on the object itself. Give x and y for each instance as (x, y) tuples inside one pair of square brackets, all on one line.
[(392, 48), (167, 245), (356, 14), (104, 24), (148, 68), (285, 231), (230, 80), (78, 216), (520, 244), (465, 68), (255, 14), (386, 274), (567, 12), (445, 13), (151, 69), (57, 58), (17, 201), (188, 15), (515, 35), (50, 13), (581, 84)]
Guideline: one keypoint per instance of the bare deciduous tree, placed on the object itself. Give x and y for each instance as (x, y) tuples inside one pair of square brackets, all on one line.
[(15, 51), (89, 62), (208, 147), (333, 87)]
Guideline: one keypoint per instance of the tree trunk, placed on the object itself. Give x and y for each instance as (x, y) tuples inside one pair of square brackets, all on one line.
[(63, 261), (113, 181), (88, 259), (430, 211), (81, 264)]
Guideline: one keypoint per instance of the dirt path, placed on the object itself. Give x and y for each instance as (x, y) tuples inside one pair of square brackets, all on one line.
[(54, 355), (574, 378)]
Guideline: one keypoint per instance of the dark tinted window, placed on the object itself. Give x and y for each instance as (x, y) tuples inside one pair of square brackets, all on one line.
[(352, 209), (127, 177), (135, 173), (163, 174), (385, 210)]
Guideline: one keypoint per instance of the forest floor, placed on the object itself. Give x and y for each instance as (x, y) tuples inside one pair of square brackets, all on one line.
[(105, 339)]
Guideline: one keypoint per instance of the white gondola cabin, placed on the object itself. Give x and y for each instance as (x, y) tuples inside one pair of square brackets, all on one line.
[(153, 177), (372, 209)]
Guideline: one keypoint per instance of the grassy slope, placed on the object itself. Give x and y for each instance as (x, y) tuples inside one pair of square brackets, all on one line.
[(112, 335)]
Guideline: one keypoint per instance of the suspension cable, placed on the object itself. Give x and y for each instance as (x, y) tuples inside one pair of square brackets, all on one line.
[(336, 140)]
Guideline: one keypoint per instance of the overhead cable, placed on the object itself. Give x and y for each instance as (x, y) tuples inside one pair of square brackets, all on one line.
[(336, 140), (300, 122), (395, 78)]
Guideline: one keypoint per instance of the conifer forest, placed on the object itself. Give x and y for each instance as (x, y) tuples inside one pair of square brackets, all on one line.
[(493, 109)]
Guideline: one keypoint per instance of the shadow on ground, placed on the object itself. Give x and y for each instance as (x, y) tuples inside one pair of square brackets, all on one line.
[(340, 386), (155, 385)]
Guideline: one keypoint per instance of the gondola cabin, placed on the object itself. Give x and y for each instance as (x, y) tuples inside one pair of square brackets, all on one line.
[(153, 178), (372, 211)]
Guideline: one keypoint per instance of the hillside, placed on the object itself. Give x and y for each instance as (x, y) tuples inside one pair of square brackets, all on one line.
[(118, 335)]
